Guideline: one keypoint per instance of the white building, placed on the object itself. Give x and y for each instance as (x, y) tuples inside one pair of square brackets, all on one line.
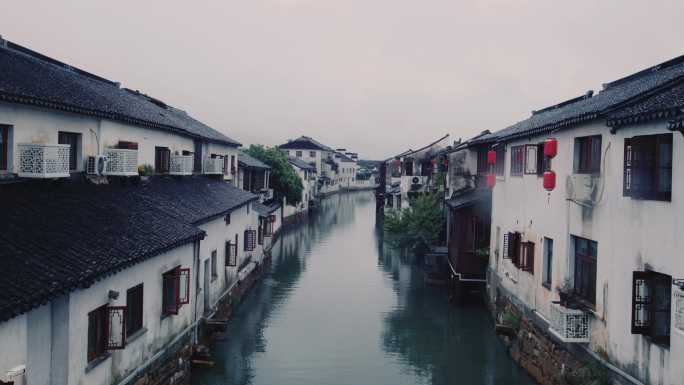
[(308, 150), (307, 175), (607, 233)]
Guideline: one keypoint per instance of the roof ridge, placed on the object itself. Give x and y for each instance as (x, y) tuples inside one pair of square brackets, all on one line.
[(585, 96), (9, 45), (666, 64)]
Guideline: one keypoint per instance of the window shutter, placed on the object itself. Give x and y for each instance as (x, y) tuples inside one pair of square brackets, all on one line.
[(116, 328), (183, 286), (663, 167), (169, 295), (643, 166), (514, 248), (506, 246), (641, 301), (627, 175), (661, 303)]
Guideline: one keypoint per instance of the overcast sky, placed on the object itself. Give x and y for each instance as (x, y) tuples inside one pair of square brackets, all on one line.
[(374, 76)]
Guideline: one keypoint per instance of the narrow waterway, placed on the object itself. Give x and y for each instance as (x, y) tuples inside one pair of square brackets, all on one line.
[(339, 308)]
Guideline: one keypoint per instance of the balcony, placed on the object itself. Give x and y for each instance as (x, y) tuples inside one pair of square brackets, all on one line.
[(212, 166), (266, 194), (121, 162), (181, 164), (43, 160), (570, 325)]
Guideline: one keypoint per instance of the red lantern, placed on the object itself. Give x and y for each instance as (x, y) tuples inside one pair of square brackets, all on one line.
[(491, 157), (550, 147), (491, 180), (549, 180)]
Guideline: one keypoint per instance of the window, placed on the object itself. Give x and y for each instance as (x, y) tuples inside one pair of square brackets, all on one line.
[(249, 240), (648, 167), (175, 290), (517, 160), (543, 162), (134, 305), (679, 309), (511, 247), (4, 147), (482, 165), (588, 155), (214, 273), (526, 262), (162, 159), (232, 165), (408, 167), (500, 160), (268, 230), (651, 305), (312, 154), (106, 330), (231, 252), (298, 154), (585, 269), (531, 158), (72, 140), (547, 262), (227, 219)]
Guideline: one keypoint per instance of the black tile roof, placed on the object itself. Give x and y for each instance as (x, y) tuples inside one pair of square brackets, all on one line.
[(265, 210), (56, 238), (251, 162), (344, 158), (31, 78), (301, 164), (614, 95), (662, 105), (305, 143)]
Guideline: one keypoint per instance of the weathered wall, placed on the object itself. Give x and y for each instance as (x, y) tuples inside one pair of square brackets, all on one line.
[(13, 350)]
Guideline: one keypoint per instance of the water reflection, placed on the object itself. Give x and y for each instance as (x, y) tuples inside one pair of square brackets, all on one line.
[(339, 308)]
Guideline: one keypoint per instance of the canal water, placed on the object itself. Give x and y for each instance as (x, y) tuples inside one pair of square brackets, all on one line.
[(340, 308)]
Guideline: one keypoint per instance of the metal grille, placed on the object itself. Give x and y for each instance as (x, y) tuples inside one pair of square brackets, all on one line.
[(43, 160), (121, 162), (213, 166), (570, 325), (181, 165), (679, 309)]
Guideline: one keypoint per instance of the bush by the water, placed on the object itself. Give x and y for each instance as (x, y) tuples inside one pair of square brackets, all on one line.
[(418, 227)]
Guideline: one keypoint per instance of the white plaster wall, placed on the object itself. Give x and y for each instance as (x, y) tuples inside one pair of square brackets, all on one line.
[(160, 330), (630, 234), (13, 346), (320, 155)]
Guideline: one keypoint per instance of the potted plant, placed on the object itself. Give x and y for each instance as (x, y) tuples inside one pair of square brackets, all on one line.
[(145, 170), (565, 292)]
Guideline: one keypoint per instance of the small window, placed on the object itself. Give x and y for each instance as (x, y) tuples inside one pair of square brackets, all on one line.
[(134, 304), (232, 252), (312, 154), (249, 241), (531, 159), (648, 167), (500, 160), (511, 247), (298, 154), (162, 159), (175, 290), (106, 330), (482, 162), (227, 219), (214, 272), (651, 305), (527, 257), (543, 162), (585, 269), (547, 269), (588, 155), (4, 147), (73, 140), (517, 160)]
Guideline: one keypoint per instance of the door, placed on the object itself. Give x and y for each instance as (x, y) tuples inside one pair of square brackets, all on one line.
[(72, 140), (207, 291), (198, 156)]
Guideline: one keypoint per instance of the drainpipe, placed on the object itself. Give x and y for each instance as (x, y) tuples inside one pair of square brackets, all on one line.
[(196, 263)]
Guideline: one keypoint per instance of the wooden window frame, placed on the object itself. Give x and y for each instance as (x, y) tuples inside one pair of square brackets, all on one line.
[(517, 160), (173, 295), (527, 257), (298, 154), (162, 160), (214, 265), (135, 297), (312, 154), (512, 245), (642, 160), (231, 253), (482, 161), (500, 167), (100, 337), (652, 300), (582, 262), (588, 154), (529, 170)]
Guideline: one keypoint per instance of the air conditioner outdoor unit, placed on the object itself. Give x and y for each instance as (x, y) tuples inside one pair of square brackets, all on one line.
[(582, 188), (96, 165)]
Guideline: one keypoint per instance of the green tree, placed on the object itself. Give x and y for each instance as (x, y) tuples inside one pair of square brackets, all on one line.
[(417, 227), (284, 179)]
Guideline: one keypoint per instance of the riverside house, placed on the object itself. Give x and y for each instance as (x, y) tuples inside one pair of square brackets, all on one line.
[(584, 219), (307, 175), (109, 272)]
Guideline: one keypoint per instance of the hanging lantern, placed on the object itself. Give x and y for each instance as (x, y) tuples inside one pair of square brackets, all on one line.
[(549, 180), (491, 180), (491, 157), (550, 147)]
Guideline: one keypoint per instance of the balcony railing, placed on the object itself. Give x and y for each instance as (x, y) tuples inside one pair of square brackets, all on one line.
[(181, 164), (121, 162), (212, 166), (570, 325), (43, 160)]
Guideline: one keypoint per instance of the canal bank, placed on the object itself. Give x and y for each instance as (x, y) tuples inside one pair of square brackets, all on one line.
[(337, 307)]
